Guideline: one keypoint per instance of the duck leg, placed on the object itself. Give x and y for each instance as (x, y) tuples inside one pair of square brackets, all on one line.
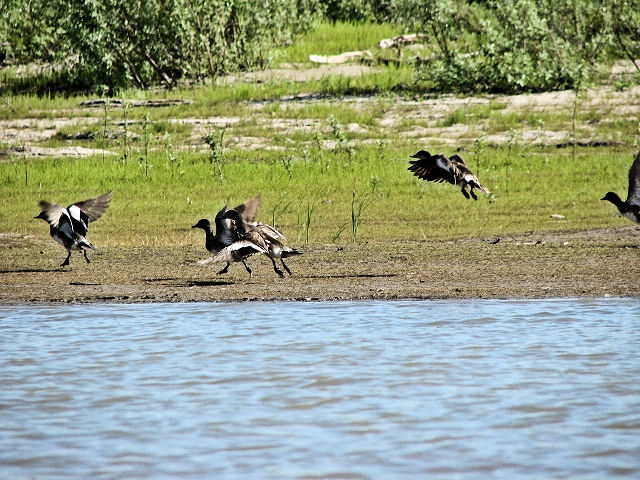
[(225, 269), (85, 256), (66, 260), (285, 266), (464, 192), (247, 267), (475, 197), (276, 269)]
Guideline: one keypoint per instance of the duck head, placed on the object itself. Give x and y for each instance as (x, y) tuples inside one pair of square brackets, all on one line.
[(612, 197), (203, 223), (42, 216)]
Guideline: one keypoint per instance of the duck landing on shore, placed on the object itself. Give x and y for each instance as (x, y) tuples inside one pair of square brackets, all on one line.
[(264, 237), (68, 226), (631, 207), (440, 168), (226, 234)]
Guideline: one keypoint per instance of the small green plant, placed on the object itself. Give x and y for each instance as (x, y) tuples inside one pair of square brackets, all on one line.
[(126, 149), (360, 202), (287, 162), (174, 163), (105, 123), (455, 117), (342, 142), (216, 157), (143, 161), (281, 206)]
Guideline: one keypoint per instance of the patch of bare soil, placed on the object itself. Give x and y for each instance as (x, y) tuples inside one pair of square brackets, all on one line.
[(600, 262)]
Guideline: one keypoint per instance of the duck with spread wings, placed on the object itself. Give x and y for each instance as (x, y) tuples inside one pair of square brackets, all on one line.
[(69, 226), (440, 168)]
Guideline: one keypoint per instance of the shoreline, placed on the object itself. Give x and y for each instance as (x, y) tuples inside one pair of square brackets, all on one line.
[(596, 263)]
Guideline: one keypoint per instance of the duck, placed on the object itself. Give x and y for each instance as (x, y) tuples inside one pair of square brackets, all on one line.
[(631, 207), (440, 168), (226, 232), (238, 251), (69, 226), (266, 237)]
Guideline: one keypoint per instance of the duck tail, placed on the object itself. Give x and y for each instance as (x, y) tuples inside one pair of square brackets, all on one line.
[(290, 252), (83, 243)]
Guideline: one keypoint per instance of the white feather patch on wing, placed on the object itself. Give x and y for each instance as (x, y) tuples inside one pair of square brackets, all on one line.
[(74, 211), (238, 251)]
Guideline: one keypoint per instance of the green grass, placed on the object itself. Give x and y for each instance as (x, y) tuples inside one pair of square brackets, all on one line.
[(308, 176), (160, 208), (332, 39)]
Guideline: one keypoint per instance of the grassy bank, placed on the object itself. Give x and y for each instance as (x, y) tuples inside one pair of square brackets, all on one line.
[(313, 197)]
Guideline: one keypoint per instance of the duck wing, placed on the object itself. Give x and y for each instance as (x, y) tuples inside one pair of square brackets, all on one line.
[(268, 232), (434, 168), (93, 207), (52, 212), (634, 182), (238, 251), (249, 209)]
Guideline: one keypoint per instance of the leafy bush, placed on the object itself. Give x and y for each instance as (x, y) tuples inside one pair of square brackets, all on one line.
[(116, 43), (522, 45)]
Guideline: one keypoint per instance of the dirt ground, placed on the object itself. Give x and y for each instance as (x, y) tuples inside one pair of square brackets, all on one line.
[(592, 263)]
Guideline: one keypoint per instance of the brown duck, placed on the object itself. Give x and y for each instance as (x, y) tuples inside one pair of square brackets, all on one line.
[(263, 237), (440, 168)]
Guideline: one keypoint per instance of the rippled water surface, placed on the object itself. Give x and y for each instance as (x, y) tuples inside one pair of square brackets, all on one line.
[(349, 390)]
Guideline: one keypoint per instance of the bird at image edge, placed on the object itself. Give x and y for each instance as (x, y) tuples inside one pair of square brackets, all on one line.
[(631, 207)]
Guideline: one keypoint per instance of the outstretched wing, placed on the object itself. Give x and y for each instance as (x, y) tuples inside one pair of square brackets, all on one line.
[(269, 232), (238, 251), (249, 209), (634, 182), (434, 168), (94, 207), (52, 212)]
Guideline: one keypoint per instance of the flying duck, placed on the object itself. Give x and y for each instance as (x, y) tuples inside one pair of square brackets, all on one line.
[(68, 226), (226, 231), (265, 237), (630, 208), (440, 168)]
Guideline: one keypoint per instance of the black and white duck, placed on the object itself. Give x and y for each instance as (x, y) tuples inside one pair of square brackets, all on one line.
[(440, 168), (226, 231), (69, 226), (631, 207), (264, 237)]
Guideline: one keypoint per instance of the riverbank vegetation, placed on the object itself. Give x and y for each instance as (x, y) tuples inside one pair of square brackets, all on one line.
[(498, 46)]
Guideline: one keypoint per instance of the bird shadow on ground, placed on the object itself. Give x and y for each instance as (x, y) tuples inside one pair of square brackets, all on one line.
[(355, 275), (32, 270), (208, 283), (179, 282)]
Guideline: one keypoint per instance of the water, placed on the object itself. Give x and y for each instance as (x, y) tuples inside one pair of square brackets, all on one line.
[(349, 390)]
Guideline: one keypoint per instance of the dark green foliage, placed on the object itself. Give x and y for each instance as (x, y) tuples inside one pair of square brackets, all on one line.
[(521, 45), (358, 10), (113, 44)]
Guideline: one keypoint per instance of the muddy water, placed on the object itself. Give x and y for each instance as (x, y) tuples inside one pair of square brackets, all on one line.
[(349, 390)]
